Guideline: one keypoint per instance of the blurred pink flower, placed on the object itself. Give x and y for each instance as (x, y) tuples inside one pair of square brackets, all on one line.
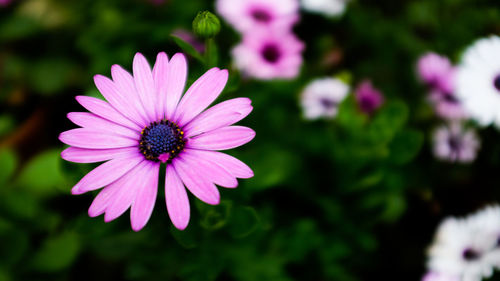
[(454, 143), (246, 15), (144, 123), (447, 106), (437, 72), (269, 53), (4, 2), (189, 38), (434, 276), (368, 97)]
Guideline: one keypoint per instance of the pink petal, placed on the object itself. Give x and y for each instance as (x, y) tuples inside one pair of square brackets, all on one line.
[(230, 164), (93, 139), (177, 199), (94, 122), (106, 111), (202, 188), (106, 173), (144, 203), (118, 98), (220, 115), (82, 155), (160, 76), (175, 83), (125, 82), (210, 169), (200, 95), (145, 85), (223, 138), (125, 195), (106, 195)]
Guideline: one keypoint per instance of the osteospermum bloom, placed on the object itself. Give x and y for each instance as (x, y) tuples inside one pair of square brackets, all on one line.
[(321, 98), (454, 143), (478, 81), (329, 8), (447, 105), (245, 15), (269, 54), (368, 97), (437, 72), (147, 121), (467, 248)]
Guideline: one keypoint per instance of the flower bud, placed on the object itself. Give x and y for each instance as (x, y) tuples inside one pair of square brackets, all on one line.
[(206, 25)]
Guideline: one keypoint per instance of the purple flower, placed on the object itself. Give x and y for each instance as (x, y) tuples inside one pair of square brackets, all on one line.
[(455, 144), (269, 53), (447, 106), (144, 123), (437, 72), (368, 97), (4, 2), (245, 15)]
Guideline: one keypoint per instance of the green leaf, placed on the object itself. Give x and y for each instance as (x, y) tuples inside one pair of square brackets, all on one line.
[(388, 121), (188, 48), (405, 146), (57, 252), (43, 174), (9, 164), (6, 124)]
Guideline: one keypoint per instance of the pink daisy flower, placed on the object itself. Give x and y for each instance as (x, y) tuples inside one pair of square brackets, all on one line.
[(269, 54), (146, 122), (368, 97), (454, 143), (246, 15), (437, 72)]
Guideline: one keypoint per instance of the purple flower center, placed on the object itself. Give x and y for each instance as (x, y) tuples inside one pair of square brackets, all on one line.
[(450, 98), (271, 53), (496, 82), (470, 254), (454, 143), (261, 15), (328, 103), (161, 141)]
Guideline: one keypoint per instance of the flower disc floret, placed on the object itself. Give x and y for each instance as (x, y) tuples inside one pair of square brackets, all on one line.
[(161, 141)]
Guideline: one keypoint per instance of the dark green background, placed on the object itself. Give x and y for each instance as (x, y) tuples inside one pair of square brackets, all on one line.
[(355, 198)]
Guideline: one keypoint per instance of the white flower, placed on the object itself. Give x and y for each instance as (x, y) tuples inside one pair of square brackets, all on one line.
[(321, 97), (467, 247), (454, 143), (328, 8), (478, 81)]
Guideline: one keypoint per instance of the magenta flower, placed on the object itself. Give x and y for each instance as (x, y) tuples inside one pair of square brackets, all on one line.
[(437, 72), (4, 2), (269, 54), (368, 97), (447, 105), (144, 123), (245, 15)]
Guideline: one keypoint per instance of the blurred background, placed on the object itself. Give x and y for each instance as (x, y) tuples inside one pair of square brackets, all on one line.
[(354, 198)]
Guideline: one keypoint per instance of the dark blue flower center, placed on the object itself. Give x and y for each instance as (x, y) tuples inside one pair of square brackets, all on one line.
[(496, 82), (271, 53), (161, 141), (261, 15), (470, 254), (328, 103)]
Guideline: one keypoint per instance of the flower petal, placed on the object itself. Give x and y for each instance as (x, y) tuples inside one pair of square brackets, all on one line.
[(202, 188), (210, 169), (230, 164), (177, 199), (175, 82), (94, 122), (220, 115), (200, 95), (144, 203), (125, 82), (145, 85), (106, 195), (82, 155), (160, 76), (223, 138), (119, 98), (106, 111), (130, 185), (107, 173), (93, 139)]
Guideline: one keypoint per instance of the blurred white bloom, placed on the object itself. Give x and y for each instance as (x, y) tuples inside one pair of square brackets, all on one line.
[(478, 81), (434, 276), (322, 97), (454, 143), (328, 8), (466, 247)]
